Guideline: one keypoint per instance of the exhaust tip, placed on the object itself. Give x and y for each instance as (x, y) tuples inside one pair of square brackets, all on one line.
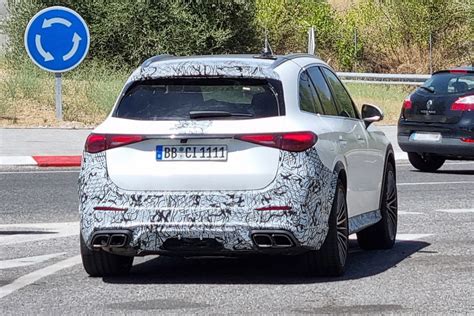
[(118, 240), (262, 240), (100, 240), (282, 241), (111, 239), (274, 239)]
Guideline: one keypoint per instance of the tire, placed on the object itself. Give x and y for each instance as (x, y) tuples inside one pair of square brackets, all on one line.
[(382, 234), (330, 259), (425, 163), (99, 263)]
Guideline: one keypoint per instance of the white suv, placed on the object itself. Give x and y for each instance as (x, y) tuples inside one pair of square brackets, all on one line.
[(235, 154)]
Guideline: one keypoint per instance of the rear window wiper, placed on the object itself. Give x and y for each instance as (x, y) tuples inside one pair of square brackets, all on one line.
[(429, 89), (206, 114)]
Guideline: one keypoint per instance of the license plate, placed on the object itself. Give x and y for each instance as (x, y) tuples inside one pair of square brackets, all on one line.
[(190, 153), (425, 137)]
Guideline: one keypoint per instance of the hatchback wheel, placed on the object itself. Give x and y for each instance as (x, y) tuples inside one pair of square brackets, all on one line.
[(330, 259), (101, 263), (382, 234), (426, 163)]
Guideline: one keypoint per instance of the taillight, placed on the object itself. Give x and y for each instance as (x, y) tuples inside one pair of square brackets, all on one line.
[(407, 103), (120, 140), (467, 140), (95, 143), (98, 142), (463, 104), (274, 208), (110, 208), (294, 141), (458, 71)]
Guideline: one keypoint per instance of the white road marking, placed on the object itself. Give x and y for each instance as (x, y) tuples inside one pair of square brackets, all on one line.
[(435, 183), (400, 155), (411, 237), (457, 210), (17, 161), (46, 231), (401, 237), (34, 276), (27, 261), (409, 213)]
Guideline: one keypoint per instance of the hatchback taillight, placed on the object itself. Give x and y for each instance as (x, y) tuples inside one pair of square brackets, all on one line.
[(407, 103), (293, 141), (463, 104), (99, 142)]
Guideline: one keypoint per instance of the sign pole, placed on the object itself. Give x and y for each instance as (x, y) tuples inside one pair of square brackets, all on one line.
[(58, 96)]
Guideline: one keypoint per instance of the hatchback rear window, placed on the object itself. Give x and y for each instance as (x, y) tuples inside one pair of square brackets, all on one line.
[(450, 83), (183, 99)]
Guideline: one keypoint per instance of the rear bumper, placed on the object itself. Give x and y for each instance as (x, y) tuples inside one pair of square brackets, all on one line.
[(221, 222), (215, 243), (449, 146)]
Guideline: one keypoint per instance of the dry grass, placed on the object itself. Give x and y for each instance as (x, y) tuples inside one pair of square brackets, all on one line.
[(388, 97), (342, 5), (27, 96)]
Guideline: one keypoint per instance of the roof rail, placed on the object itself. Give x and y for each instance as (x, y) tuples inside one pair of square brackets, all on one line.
[(297, 55), (153, 59)]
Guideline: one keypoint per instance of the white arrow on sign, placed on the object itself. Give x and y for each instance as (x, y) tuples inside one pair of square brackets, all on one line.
[(48, 22), (46, 55), (75, 40)]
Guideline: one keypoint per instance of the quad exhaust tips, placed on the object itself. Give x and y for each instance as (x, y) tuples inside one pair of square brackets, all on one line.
[(273, 239), (112, 239)]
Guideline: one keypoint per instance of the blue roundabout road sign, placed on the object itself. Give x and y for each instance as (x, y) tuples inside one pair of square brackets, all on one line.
[(57, 39)]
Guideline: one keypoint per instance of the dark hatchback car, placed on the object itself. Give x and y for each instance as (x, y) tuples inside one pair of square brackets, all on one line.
[(437, 120)]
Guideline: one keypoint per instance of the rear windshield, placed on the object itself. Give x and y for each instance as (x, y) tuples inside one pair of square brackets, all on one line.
[(184, 99), (450, 83)]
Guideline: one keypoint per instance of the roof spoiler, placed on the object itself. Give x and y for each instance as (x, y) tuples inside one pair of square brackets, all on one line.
[(153, 59)]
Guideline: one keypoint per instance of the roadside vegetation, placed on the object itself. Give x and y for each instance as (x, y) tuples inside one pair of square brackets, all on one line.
[(359, 35), (89, 92), (27, 94)]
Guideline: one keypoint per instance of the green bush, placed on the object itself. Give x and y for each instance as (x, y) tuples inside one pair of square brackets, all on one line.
[(393, 35), (125, 32), (288, 21)]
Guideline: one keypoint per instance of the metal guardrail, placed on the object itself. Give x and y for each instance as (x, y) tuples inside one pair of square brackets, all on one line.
[(372, 78)]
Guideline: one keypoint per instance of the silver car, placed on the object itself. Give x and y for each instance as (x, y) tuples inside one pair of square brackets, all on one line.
[(231, 155)]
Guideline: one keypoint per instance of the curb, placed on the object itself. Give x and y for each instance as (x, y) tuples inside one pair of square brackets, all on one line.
[(41, 161)]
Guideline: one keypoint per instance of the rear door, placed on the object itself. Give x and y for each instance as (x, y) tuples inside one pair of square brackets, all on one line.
[(190, 128), (432, 102)]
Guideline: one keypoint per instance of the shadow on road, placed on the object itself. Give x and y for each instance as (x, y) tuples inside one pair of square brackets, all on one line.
[(261, 269), (462, 172), (458, 172)]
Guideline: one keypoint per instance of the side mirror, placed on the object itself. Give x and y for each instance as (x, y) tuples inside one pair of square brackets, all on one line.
[(371, 113)]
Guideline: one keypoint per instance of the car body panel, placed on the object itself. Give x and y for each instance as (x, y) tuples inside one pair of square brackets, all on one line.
[(156, 204), (303, 183), (431, 108)]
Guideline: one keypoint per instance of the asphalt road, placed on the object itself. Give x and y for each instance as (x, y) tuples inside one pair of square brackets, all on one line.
[(430, 269)]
